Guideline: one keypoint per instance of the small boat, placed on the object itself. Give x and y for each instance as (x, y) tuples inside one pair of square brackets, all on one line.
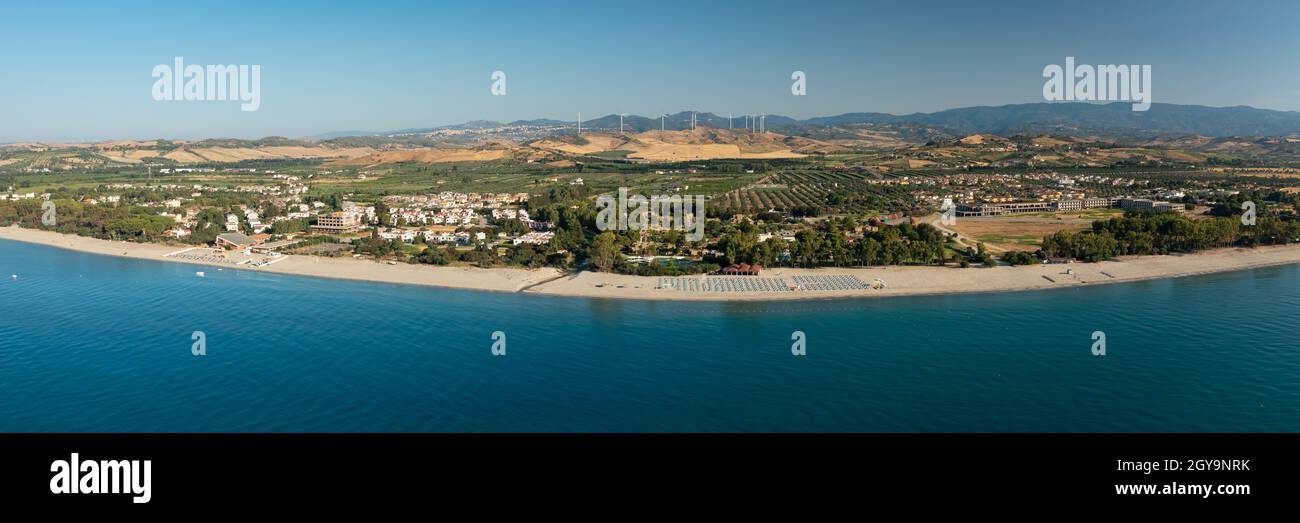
[(199, 274)]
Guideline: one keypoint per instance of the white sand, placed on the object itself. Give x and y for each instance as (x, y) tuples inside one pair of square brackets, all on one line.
[(911, 281), (902, 281), (509, 280)]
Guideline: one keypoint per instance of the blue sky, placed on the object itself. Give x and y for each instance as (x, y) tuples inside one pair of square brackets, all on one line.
[(81, 70)]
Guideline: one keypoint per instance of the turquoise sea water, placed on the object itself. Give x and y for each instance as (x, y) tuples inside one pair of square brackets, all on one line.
[(95, 343)]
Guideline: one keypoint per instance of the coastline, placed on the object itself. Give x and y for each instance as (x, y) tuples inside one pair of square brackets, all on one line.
[(901, 280), (470, 278)]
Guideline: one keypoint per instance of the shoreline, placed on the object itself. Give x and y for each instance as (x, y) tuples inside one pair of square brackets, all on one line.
[(468, 278), (901, 280)]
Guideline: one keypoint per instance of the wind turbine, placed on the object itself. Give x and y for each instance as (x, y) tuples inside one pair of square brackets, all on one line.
[(579, 122), (728, 120), (620, 122), (661, 122)]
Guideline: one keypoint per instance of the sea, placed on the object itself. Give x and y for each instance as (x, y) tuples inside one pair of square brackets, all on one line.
[(92, 343)]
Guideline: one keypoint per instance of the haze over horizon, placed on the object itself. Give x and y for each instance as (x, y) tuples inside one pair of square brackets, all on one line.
[(334, 67)]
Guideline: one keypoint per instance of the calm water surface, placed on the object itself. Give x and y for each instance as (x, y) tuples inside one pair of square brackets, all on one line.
[(95, 343)]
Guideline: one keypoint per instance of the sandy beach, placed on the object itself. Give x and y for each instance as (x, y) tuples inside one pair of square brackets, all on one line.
[(347, 268), (901, 281)]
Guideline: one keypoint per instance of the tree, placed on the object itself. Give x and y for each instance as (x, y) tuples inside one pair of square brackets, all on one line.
[(604, 252), (807, 246)]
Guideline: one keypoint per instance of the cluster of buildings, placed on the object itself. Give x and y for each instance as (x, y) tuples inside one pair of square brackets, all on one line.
[(179, 170), (18, 196), (450, 199), (435, 218), (999, 209), (996, 194), (984, 182), (289, 186), (449, 216), (455, 208), (535, 238), (510, 214), (449, 235), (274, 190), (350, 219), (434, 235)]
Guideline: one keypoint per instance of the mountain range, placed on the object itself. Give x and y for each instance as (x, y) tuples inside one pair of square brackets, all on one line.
[(1115, 120)]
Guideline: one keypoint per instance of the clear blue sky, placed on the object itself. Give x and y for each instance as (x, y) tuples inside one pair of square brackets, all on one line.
[(81, 70)]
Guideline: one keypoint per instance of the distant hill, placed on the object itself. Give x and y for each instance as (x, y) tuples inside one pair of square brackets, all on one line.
[(702, 143), (679, 121), (1089, 119), (344, 134), (1113, 120)]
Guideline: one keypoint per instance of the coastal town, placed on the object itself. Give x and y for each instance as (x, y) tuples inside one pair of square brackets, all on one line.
[(261, 219), (536, 197)]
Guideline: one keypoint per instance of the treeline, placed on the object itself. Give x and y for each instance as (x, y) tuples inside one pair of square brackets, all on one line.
[(522, 255), (1232, 205), (832, 245), (126, 222), (1146, 232), (129, 222)]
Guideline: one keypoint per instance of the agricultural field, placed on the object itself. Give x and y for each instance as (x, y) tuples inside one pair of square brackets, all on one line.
[(1025, 232), (90, 179), (838, 191), (513, 176)]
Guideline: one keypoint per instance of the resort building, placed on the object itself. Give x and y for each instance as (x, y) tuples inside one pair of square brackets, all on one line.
[(1098, 203), (1004, 208), (1069, 205), (337, 222), (405, 235), (535, 238), (1062, 205), (233, 240), (1142, 203), (1136, 203)]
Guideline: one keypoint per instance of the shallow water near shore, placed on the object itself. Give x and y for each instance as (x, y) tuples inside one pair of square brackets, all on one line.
[(98, 343)]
